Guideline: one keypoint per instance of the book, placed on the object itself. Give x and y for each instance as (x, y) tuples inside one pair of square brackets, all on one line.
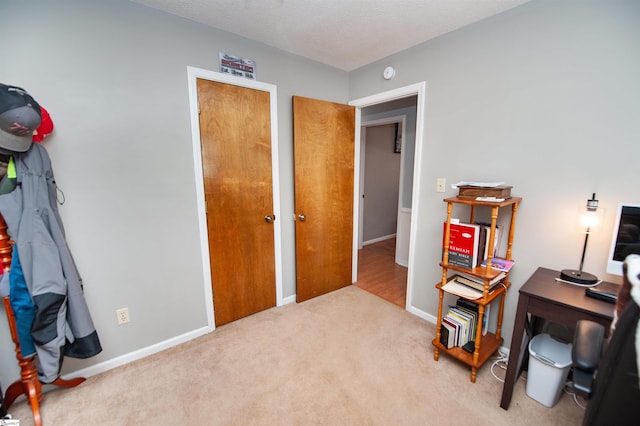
[(499, 264), (485, 319), (463, 244), (465, 320), (475, 314), (459, 327), (456, 330), (478, 283), (468, 304), (486, 237), (483, 242), (447, 335), (472, 318), (473, 191)]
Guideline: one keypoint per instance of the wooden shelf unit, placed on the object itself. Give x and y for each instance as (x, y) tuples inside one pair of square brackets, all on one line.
[(487, 345)]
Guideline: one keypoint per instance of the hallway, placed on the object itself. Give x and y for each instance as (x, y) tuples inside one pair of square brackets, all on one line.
[(380, 275)]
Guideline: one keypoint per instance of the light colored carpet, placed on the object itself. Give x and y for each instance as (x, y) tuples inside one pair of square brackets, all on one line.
[(345, 358)]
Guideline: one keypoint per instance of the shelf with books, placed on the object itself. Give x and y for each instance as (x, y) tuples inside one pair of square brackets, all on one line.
[(475, 277), (463, 325), (456, 288), (482, 272), (490, 345)]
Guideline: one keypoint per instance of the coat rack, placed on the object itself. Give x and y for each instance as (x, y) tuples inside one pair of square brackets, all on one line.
[(29, 385)]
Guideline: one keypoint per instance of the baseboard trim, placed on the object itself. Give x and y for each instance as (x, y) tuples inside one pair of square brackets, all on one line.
[(136, 355), (379, 239), (422, 314), (287, 300)]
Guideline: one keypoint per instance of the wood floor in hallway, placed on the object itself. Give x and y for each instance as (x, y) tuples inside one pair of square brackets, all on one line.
[(380, 275)]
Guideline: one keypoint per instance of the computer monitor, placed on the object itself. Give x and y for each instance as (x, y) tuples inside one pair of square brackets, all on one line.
[(626, 237)]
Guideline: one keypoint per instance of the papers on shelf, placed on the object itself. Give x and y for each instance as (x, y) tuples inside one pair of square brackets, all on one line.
[(458, 289), (479, 184), (490, 199)]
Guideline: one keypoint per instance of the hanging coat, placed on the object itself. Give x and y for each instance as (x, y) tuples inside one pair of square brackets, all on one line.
[(20, 300), (62, 323)]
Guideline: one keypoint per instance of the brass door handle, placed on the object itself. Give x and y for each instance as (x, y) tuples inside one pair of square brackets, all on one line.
[(270, 218)]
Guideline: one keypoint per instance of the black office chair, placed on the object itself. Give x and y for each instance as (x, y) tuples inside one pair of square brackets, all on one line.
[(614, 395)]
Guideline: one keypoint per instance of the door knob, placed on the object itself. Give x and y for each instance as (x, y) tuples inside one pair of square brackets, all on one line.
[(302, 217), (269, 219)]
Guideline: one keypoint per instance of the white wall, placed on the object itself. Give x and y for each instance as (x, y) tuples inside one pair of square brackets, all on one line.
[(546, 97), (400, 107), (113, 75), (381, 182)]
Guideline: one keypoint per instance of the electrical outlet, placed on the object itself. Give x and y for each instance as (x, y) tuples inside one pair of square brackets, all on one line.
[(123, 316), (440, 184)]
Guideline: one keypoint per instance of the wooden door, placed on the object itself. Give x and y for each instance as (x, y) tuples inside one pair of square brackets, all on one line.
[(235, 136), (323, 140)]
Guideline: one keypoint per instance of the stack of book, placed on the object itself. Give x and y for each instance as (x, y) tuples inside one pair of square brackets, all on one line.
[(478, 283), (469, 242), (459, 326)]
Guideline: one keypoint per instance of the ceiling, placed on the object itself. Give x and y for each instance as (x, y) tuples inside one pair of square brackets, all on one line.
[(345, 34)]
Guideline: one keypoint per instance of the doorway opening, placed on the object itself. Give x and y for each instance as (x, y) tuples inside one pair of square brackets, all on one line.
[(408, 104), (382, 262)]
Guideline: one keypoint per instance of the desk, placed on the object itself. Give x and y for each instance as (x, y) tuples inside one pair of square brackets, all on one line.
[(544, 298)]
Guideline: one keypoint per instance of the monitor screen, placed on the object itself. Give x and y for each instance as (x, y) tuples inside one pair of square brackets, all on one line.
[(626, 236)]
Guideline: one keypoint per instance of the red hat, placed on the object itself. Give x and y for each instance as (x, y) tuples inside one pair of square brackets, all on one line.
[(45, 128)]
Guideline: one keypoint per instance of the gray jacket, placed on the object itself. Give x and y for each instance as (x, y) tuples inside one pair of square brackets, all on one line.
[(62, 324)]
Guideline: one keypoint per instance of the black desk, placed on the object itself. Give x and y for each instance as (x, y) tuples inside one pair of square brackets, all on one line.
[(543, 297)]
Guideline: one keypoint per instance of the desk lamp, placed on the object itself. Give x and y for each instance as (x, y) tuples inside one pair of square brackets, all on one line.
[(589, 218)]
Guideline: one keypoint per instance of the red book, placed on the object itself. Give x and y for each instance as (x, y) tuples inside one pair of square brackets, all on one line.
[(463, 244)]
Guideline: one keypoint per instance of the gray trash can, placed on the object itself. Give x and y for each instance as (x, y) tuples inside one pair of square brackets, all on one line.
[(549, 365)]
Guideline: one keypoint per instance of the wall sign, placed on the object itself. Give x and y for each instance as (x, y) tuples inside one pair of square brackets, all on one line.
[(237, 66)]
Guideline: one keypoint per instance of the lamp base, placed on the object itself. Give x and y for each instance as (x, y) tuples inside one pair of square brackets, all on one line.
[(575, 276)]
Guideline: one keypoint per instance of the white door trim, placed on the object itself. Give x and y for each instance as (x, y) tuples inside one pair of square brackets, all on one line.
[(193, 74), (419, 89)]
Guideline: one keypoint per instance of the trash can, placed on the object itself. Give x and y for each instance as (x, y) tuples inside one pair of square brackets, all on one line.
[(549, 365)]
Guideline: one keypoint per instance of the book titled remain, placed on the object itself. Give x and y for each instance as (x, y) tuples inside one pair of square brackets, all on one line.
[(463, 244)]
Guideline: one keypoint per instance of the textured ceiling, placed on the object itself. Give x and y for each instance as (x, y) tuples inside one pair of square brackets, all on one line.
[(345, 34)]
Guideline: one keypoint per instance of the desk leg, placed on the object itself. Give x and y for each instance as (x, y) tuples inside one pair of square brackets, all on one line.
[(515, 355)]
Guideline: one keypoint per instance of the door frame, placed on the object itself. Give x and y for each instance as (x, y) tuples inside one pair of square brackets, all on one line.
[(419, 90), (198, 73)]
